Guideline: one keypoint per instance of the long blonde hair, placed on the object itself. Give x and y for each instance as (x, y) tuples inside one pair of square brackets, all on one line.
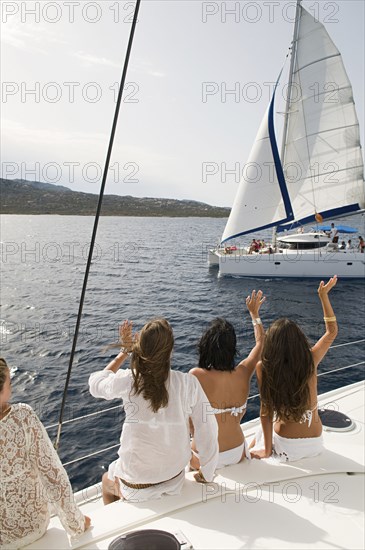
[(150, 364)]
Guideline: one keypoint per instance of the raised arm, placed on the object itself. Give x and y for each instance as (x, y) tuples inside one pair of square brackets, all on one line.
[(126, 339), (266, 422), (320, 349), (107, 384), (253, 304)]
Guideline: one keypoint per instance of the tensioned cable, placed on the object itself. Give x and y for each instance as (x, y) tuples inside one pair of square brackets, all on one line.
[(96, 220), (324, 373), (107, 409), (118, 444), (347, 344)]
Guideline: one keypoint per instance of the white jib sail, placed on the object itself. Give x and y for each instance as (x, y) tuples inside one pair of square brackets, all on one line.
[(259, 202), (323, 163)]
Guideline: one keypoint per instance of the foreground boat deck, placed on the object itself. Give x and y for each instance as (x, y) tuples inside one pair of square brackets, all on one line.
[(315, 502)]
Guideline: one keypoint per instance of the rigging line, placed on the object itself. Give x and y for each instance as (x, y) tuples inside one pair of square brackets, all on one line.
[(84, 416), (324, 373), (97, 215), (107, 409), (251, 397), (347, 344), (341, 368), (90, 455)]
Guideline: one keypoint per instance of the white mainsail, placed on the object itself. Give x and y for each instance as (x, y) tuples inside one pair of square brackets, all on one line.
[(261, 199), (322, 161)]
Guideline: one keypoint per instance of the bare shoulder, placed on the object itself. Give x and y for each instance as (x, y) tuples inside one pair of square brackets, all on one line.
[(197, 371)]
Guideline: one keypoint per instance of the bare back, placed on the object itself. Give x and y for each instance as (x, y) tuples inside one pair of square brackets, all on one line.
[(226, 389)]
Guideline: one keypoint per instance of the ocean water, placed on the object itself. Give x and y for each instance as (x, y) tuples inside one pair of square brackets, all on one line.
[(142, 268)]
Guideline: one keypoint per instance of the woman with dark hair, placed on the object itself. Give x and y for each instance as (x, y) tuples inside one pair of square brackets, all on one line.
[(158, 403), (31, 476), (226, 385), (287, 377)]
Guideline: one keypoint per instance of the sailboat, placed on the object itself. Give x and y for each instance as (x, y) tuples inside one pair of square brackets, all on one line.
[(318, 175), (315, 502)]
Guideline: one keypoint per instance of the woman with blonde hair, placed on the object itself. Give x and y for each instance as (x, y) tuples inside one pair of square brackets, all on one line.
[(287, 377), (31, 476), (158, 403)]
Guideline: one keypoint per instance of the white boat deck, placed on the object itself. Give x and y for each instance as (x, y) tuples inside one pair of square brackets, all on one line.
[(316, 502)]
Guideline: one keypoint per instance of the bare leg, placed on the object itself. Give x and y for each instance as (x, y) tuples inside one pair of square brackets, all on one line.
[(111, 492), (194, 462), (253, 443)]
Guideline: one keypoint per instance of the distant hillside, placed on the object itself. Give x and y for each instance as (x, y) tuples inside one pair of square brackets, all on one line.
[(34, 197)]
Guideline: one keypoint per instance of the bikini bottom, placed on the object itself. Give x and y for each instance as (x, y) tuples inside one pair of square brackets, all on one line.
[(287, 449), (232, 456)]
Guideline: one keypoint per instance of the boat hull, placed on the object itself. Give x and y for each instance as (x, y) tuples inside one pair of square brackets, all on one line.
[(292, 263)]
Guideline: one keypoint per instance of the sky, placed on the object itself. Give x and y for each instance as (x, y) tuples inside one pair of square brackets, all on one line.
[(198, 84)]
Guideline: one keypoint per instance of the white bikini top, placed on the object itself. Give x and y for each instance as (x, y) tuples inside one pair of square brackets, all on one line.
[(235, 411), (308, 416)]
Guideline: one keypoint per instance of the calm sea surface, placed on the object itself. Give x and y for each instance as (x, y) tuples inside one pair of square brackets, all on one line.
[(142, 268)]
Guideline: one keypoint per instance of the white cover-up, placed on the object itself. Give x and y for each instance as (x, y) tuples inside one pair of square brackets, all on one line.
[(155, 447), (287, 449), (31, 477), (233, 456)]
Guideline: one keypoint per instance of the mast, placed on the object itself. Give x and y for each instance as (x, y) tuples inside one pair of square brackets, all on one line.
[(289, 94)]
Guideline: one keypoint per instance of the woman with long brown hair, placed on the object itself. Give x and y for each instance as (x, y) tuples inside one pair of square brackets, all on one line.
[(287, 377), (158, 403)]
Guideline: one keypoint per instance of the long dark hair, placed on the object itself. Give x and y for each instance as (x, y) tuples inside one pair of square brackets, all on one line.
[(287, 366), (150, 362), (217, 346)]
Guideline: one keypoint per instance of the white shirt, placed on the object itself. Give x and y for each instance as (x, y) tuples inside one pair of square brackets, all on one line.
[(156, 446), (333, 232), (31, 477)]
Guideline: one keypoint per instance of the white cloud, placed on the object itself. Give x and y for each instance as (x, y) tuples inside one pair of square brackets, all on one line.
[(156, 73), (29, 37), (89, 60), (15, 34)]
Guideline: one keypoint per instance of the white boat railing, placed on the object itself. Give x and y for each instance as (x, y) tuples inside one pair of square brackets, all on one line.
[(95, 453)]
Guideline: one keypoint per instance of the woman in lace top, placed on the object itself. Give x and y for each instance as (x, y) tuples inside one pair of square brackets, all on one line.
[(31, 476), (287, 377)]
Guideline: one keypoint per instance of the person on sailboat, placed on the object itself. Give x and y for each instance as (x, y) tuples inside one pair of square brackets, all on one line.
[(226, 385), (333, 233), (291, 428), (254, 246), (361, 244), (158, 403), (349, 245), (32, 476)]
